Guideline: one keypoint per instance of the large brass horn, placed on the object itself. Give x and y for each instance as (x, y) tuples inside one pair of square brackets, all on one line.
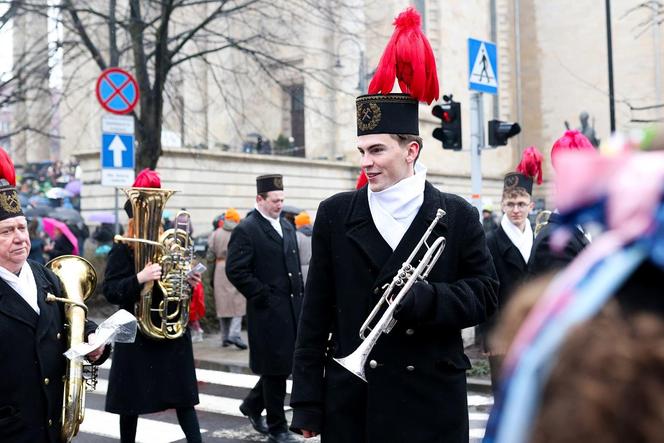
[(408, 274), (162, 310), (79, 280)]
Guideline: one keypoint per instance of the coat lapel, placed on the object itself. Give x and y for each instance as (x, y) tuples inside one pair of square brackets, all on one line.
[(267, 227), (288, 231), (13, 305), (361, 230), (413, 235), (508, 251), (47, 311)]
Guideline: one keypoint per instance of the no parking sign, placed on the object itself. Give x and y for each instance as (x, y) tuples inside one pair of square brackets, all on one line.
[(117, 91)]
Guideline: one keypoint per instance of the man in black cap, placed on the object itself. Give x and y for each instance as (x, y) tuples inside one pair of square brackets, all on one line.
[(33, 337), (263, 264), (510, 244), (414, 388)]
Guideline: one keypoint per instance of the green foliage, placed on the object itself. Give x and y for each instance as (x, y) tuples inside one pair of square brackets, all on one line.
[(480, 368), (281, 144)]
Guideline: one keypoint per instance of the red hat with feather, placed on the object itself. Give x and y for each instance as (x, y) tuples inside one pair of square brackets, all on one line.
[(9, 203), (528, 170), (409, 59), (147, 178)]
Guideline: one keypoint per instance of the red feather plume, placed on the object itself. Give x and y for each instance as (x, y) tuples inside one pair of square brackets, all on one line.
[(7, 170), (572, 140), (408, 57), (361, 180), (147, 178), (531, 164)]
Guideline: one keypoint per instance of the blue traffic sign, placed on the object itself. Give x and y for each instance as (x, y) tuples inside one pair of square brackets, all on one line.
[(482, 66), (117, 150)]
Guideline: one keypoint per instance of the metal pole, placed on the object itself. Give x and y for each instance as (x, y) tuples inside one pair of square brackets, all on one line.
[(117, 223), (476, 145), (517, 56), (609, 45), (494, 38)]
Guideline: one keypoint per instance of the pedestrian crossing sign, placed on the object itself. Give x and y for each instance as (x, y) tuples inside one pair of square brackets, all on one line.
[(482, 72)]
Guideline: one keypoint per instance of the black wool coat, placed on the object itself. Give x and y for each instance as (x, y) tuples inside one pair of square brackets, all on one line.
[(148, 375), (511, 269), (265, 268), (33, 367), (543, 259), (416, 390)]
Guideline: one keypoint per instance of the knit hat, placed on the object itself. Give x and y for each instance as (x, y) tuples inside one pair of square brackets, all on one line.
[(232, 215), (302, 219)]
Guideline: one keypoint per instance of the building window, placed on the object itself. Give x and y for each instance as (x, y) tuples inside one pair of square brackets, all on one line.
[(420, 5), (296, 94)]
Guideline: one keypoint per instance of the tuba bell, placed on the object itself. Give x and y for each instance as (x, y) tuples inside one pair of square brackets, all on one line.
[(162, 310), (79, 280)]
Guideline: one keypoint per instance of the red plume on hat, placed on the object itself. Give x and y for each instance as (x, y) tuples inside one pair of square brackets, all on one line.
[(147, 178), (570, 141), (7, 168), (531, 164), (361, 180), (408, 57)]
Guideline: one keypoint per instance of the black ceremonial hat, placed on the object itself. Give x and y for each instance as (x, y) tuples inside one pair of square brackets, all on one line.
[(387, 114), (9, 203), (270, 182), (515, 180)]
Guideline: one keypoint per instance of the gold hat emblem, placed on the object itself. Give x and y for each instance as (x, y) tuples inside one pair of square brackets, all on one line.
[(511, 181), (9, 202), (278, 183), (368, 116)]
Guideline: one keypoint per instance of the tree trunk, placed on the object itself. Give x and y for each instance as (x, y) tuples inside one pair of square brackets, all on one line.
[(148, 134)]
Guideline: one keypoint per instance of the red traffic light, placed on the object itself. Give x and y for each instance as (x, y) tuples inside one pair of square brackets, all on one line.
[(447, 117)]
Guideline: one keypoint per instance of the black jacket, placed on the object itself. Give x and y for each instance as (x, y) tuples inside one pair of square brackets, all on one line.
[(543, 259), (148, 375), (511, 269), (416, 390), (33, 367), (265, 268)]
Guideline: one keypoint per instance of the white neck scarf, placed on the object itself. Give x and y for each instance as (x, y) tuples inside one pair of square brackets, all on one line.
[(393, 209), (23, 283), (522, 240), (273, 221)]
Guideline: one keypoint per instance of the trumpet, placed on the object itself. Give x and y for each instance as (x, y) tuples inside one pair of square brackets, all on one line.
[(403, 281)]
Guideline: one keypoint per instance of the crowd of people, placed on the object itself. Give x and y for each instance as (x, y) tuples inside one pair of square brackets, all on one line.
[(571, 322)]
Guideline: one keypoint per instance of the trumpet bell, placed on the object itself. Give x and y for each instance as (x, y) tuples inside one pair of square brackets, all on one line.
[(354, 363)]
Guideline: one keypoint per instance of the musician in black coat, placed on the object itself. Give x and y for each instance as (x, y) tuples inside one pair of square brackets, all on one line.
[(415, 389), (510, 246), (33, 337), (263, 264), (149, 375)]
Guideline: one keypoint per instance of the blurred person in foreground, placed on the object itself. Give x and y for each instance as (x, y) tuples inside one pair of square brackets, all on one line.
[(264, 265), (149, 375), (33, 336), (587, 361), (415, 388), (230, 305), (511, 242)]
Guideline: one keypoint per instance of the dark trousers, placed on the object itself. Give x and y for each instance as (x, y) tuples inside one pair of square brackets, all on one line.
[(496, 366), (269, 394), (186, 417)]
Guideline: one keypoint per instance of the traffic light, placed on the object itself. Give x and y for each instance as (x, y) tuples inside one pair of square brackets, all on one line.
[(500, 131), (449, 132)]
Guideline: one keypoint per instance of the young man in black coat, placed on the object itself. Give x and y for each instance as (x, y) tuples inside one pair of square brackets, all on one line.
[(415, 389), (32, 330), (263, 264), (510, 244)]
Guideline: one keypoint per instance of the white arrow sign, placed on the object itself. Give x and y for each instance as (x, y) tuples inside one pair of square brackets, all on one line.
[(117, 148)]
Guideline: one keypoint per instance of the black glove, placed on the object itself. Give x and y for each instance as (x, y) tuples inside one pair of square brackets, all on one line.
[(418, 306)]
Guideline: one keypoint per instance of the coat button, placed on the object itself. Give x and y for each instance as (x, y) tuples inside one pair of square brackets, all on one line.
[(410, 331), (293, 251), (373, 364), (376, 291), (50, 422), (410, 368), (290, 275), (58, 336), (291, 296), (46, 381)]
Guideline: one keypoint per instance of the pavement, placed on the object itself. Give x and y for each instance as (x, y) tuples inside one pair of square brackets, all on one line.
[(208, 354)]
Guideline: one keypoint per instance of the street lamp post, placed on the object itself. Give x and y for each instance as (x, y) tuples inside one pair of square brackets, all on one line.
[(612, 105), (362, 69)]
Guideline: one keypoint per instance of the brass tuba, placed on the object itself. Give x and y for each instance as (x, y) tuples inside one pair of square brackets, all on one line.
[(79, 280), (162, 310)]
